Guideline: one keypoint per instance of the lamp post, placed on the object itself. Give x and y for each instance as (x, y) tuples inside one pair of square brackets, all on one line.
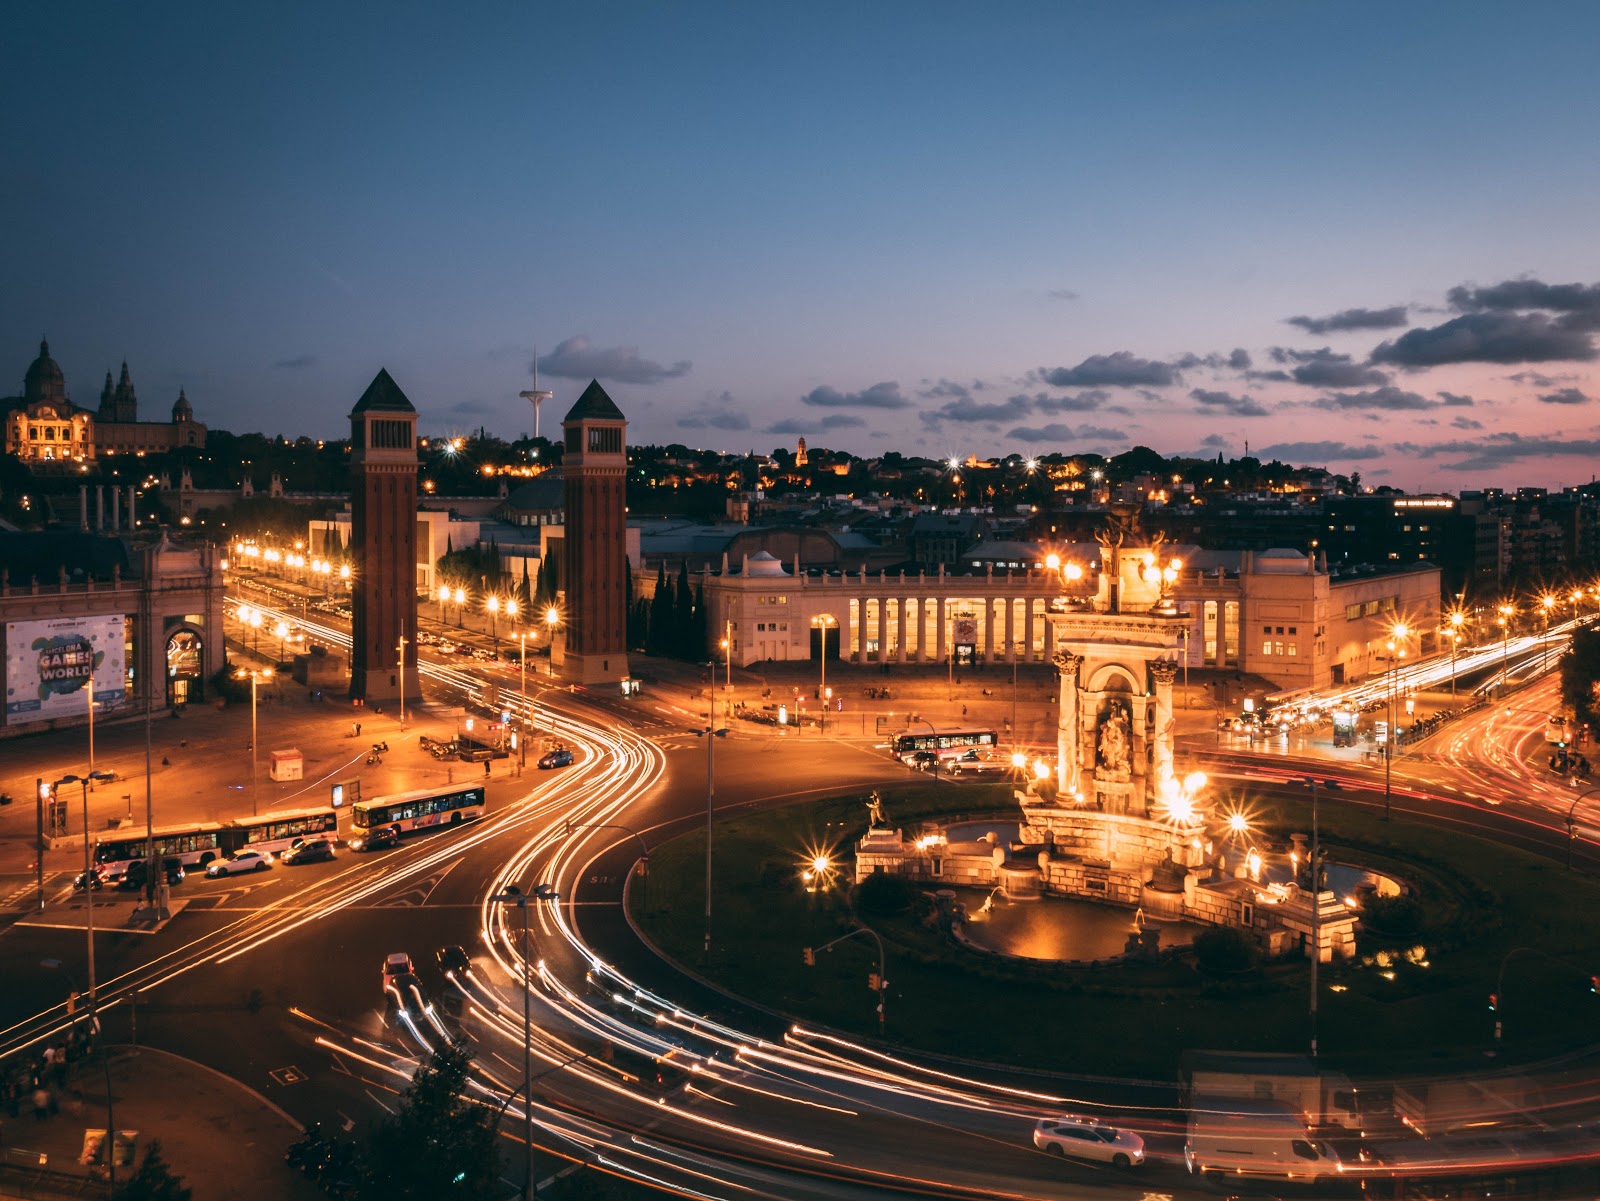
[(1313, 783), (493, 606), (400, 651), (460, 599), (552, 618), (1572, 821), (444, 599), (1397, 653), (1547, 602), (255, 674), (522, 688), (1456, 620), (710, 734), (515, 896), (1506, 612), (825, 622), (727, 669), (1016, 652)]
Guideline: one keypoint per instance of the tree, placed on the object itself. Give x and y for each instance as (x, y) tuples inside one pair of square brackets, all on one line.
[(1224, 951), (683, 645), (1580, 676), (438, 1143), (660, 631), (154, 1180)]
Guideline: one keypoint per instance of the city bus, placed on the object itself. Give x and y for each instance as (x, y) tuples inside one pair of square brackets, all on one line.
[(274, 833), (947, 743), (448, 806), (195, 845)]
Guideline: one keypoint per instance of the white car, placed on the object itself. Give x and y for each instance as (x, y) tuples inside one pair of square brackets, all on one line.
[(978, 764), (1084, 1138), (240, 861)]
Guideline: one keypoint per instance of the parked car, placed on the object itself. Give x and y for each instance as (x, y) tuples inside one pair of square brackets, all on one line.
[(1085, 1138), (378, 838), (133, 878), (239, 861), (310, 850), (453, 961), (560, 757)]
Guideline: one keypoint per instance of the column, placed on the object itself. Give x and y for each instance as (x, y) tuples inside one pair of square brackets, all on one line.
[(1011, 629), (944, 627), (1068, 776), (988, 624), (1164, 671), (900, 627)]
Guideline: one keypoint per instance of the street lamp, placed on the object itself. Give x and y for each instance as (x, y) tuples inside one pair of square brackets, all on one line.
[(1548, 602), (522, 688), (460, 599), (710, 734), (552, 618), (1312, 783), (826, 622), (515, 896), (727, 669), (492, 604), (400, 652), (1397, 653), (1456, 620), (1506, 612), (1572, 819), (444, 599), (255, 674)]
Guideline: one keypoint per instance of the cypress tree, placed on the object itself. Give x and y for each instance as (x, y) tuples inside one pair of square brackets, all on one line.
[(683, 616)]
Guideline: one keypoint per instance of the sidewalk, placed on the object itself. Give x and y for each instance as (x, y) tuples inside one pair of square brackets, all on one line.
[(226, 1141)]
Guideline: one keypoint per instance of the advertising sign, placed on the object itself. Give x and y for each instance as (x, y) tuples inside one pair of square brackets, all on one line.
[(966, 631), (50, 663)]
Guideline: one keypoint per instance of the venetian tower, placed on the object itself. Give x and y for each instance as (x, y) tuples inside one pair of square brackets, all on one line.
[(383, 538), (594, 556)]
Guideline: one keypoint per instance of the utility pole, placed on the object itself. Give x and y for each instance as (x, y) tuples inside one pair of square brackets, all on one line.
[(400, 649)]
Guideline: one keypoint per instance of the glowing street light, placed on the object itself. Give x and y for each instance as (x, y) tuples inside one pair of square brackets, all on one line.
[(552, 618)]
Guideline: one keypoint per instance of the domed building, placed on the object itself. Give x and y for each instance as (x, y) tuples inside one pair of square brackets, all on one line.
[(43, 426)]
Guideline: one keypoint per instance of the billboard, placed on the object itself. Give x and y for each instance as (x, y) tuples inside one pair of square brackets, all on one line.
[(49, 663)]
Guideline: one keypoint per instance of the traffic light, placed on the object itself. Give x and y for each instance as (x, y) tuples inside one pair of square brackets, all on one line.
[(874, 981), (1494, 1003), (810, 957), (1594, 984)]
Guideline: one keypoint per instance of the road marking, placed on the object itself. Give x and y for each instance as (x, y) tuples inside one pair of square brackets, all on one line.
[(286, 1076)]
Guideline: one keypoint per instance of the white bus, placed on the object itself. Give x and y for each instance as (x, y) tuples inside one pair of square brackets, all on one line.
[(947, 743), (195, 845), (274, 833), (449, 806)]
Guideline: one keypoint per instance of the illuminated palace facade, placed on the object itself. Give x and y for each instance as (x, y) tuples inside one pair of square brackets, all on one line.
[(1277, 614)]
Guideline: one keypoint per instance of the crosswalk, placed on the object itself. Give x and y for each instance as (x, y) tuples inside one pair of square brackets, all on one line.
[(27, 888)]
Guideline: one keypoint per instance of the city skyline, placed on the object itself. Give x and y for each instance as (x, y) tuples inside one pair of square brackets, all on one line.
[(1347, 236)]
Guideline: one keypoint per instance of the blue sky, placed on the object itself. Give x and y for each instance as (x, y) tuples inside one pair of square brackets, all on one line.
[(938, 228)]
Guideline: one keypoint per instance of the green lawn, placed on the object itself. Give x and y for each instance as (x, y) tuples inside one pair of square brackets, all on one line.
[(1481, 903)]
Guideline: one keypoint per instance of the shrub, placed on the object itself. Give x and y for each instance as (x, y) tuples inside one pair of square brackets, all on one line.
[(883, 895), (1224, 951), (1393, 917)]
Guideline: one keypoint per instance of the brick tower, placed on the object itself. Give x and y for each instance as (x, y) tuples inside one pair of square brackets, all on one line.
[(594, 554), (383, 536)]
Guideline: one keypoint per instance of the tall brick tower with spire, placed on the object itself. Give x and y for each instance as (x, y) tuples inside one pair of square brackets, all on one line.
[(383, 536), (594, 553)]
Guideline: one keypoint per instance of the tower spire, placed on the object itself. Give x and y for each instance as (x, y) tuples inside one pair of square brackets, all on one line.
[(535, 395)]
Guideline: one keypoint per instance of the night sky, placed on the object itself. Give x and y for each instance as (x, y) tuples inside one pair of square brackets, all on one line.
[(1353, 235)]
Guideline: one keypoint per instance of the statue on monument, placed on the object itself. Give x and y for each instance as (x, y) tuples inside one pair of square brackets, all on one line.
[(875, 817), (1115, 744)]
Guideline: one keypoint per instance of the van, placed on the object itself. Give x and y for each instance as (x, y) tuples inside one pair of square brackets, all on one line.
[(1236, 1136)]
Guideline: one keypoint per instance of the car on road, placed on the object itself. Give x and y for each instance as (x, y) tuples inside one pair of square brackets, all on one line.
[(310, 850), (975, 763), (378, 838), (397, 964), (560, 757), (454, 961), (239, 861), (133, 878), (1085, 1138), (923, 760)]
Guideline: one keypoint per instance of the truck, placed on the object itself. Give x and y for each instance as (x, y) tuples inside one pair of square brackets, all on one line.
[(1242, 1136), (1324, 1101), (1440, 1107)]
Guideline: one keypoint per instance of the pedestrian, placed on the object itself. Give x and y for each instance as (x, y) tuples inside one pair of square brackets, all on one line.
[(358, 729), (61, 1067), (41, 1103), (963, 710), (486, 769)]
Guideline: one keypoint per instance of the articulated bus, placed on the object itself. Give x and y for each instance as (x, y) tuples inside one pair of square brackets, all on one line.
[(275, 833), (195, 845), (947, 743), (449, 806)]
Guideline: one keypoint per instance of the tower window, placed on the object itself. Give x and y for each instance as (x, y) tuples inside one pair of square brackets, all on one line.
[(605, 439)]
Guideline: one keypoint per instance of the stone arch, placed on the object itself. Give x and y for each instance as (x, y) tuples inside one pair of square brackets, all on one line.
[(1114, 677), (183, 665)]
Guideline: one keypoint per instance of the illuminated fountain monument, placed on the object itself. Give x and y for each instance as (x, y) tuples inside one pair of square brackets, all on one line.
[(1116, 823)]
